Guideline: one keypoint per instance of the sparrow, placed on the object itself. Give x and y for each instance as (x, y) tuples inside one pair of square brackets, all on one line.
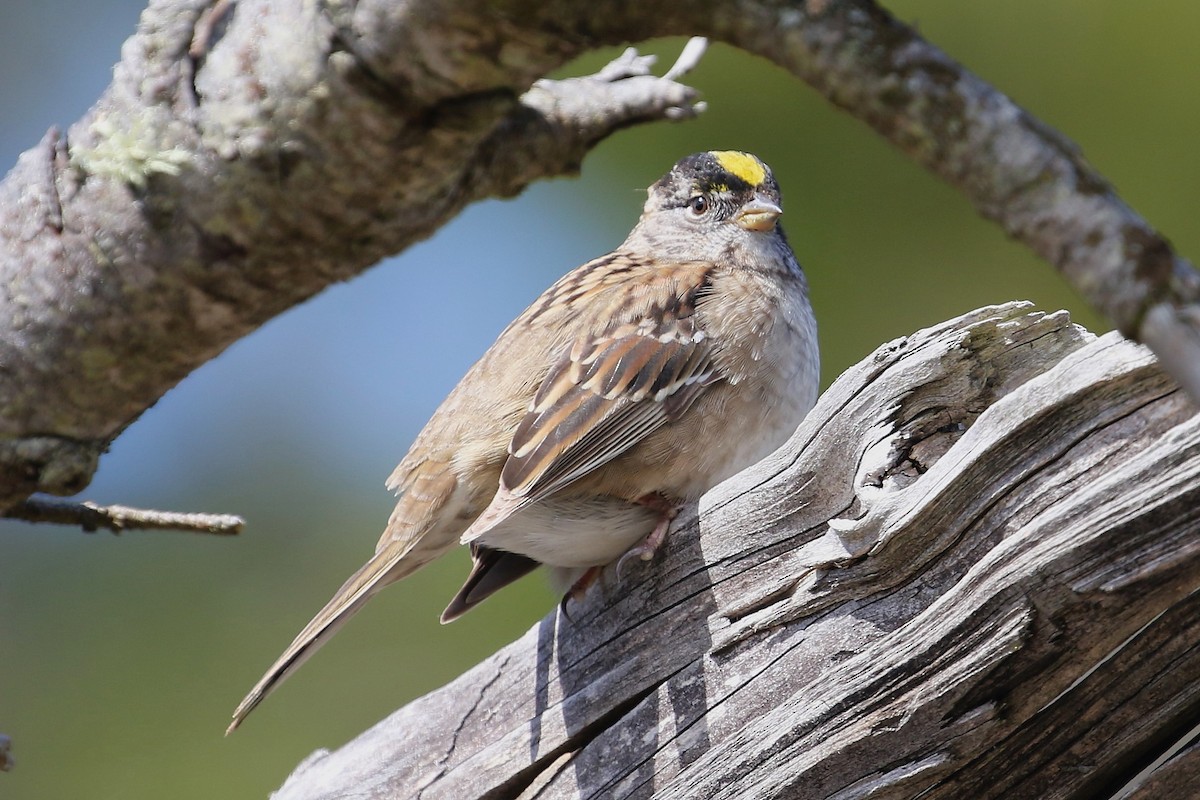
[(628, 388)]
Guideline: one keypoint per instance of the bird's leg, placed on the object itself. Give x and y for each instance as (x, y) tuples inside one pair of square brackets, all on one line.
[(645, 549), (579, 588), (585, 581)]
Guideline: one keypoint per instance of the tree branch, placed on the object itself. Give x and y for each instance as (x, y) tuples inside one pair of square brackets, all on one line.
[(92, 517), (183, 211), (249, 154), (972, 572), (1014, 169)]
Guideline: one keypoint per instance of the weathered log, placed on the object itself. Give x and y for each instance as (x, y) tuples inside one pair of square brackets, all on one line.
[(972, 572)]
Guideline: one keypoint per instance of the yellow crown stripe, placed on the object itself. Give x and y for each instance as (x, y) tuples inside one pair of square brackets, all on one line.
[(743, 165)]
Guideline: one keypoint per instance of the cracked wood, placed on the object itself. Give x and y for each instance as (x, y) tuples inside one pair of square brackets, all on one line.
[(1016, 617)]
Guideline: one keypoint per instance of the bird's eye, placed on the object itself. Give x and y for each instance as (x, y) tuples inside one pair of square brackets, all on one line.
[(698, 205)]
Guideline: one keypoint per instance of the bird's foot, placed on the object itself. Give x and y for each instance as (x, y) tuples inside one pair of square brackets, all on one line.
[(642, 551), (645, 549)]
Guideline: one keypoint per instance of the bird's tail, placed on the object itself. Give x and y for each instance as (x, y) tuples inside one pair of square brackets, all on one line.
[(373, 576)]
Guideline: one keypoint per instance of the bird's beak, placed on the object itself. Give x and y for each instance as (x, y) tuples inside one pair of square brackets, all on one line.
[(758, 215)]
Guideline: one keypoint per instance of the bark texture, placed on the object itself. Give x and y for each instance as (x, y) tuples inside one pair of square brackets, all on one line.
[(972, 572), (250, 153)]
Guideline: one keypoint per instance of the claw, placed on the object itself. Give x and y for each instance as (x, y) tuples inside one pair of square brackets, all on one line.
[(578, 590)]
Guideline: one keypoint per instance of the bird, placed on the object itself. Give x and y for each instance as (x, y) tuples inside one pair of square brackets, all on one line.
[(631, 386)]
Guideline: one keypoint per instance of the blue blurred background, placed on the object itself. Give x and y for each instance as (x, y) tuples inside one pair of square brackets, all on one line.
[(121, 658)]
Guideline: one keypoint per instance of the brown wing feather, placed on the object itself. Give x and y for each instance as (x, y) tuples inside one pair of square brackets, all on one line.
[(603, 397), (611, 390), (423, 489)]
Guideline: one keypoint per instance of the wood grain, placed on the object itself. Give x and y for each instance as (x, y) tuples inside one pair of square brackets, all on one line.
[(971, 573)]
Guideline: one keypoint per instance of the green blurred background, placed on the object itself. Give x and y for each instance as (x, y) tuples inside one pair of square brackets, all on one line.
[(121, 658)]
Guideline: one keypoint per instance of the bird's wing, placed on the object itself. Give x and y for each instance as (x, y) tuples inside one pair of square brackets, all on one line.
[(605, 394)]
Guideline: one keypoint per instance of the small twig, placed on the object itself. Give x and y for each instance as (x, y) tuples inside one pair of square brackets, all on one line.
[(627, 65), (689, 57), (92, 517)]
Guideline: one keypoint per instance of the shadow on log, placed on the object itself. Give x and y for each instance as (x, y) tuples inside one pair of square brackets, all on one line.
[(972, 572)]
